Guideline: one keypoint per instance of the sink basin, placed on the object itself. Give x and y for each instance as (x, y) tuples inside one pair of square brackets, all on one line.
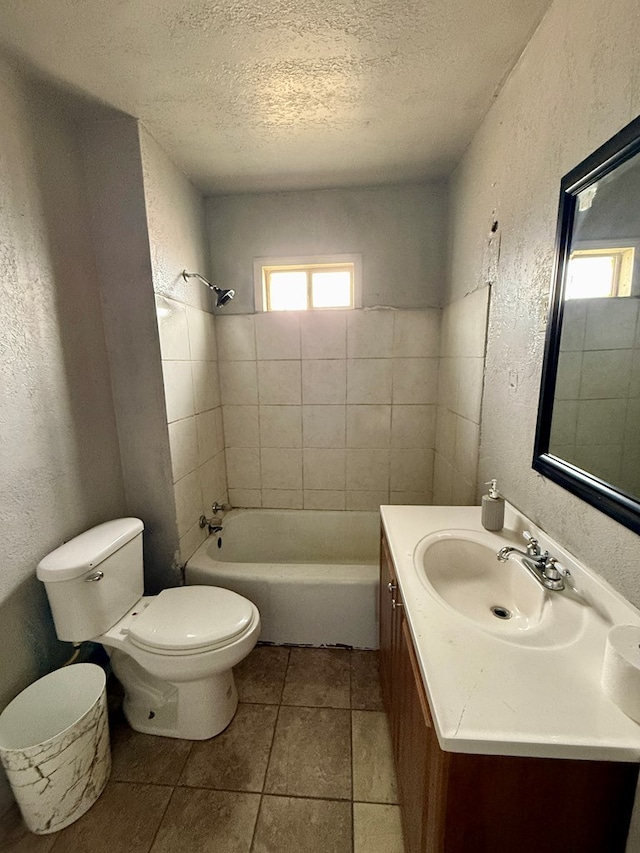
[(461, 569)]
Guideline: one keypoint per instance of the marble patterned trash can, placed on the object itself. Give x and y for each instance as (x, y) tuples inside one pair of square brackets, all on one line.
[(54, 746)]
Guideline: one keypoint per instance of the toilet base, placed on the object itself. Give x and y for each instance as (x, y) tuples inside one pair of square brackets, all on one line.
[(192, 710)]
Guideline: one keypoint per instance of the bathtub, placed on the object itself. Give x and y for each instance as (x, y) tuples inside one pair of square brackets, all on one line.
[(312, 574)]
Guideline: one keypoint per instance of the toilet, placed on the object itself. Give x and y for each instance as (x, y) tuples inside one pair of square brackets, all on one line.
[(172, 652)]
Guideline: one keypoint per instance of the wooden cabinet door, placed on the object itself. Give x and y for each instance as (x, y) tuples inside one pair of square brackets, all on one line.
[(422, 766), (387, 577)]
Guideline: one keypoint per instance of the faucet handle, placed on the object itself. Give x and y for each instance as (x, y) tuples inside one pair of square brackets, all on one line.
[(553, 569), (533, 546)]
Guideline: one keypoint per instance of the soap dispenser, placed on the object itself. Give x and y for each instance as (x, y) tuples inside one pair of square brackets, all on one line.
[(493, 508)]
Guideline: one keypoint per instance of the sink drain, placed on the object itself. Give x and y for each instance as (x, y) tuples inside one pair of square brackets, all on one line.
[(501, 612)]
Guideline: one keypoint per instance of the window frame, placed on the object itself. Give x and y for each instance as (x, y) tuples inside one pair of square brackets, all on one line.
[(308, 263)]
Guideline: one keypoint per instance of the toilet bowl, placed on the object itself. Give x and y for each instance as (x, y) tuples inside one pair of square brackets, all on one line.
[(173, 652)]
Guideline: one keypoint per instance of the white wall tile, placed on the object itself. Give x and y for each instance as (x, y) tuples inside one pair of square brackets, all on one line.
[(367, 470), (172, 329), (564, 422), (370, 334), (324, 468), (280, 426), (324, 426), (605, 374), (448, 383), (600, 417), (469, 396), (189, 504), (568, 376), (279, 383), (366, 500), (243, 468), (416, 334), (281, 468), (245, 497), (442, 481), (278, 336), (369, 380), (282, 498), (463, 492), (466, 452), (446, 433), (178, 390), (411, 470), (415, 380), (236, 337), (241, 426), (238, 383), (611, 324), (324, 381), (324, 499), (368, 426), (183, 443), (323, 334), (411, 498), (191, 541), (202, 336), (574, 322), (213, 481), (208, 441), (413, 426), (206, 387)]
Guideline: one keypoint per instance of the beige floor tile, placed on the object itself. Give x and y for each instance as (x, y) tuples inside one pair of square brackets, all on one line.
[(16, 838), (235, 760), (377, 828), (374, 779), (288, 825), (200, 821), (137, 757), (124, 818), (365, 681), (318, 678), (311, 755), (260, 676)]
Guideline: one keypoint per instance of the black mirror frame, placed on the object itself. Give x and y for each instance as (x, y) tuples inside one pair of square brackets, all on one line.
[(619, 505)]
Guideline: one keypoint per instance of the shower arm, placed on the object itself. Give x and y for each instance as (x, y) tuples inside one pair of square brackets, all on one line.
[(186, 275), (224, 296)]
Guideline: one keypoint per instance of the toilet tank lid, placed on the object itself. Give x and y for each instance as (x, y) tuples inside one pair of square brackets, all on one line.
[(88, 550)]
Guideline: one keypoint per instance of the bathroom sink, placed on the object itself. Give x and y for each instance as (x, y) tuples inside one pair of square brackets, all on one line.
[(461, 569)]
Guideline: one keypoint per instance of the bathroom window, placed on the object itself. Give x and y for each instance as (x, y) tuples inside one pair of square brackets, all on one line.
[(599, 273), (301, 284)]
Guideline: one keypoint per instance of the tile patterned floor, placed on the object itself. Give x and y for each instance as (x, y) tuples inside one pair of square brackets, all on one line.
[(305, 767)]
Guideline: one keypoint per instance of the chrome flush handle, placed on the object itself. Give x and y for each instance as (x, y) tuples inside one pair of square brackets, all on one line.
[(96, 576)]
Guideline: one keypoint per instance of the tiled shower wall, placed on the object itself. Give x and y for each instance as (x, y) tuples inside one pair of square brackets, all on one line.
[(329, 410), (194, 415), (464, 326)]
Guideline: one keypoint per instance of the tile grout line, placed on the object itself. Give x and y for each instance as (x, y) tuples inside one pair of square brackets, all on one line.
[(273, 737), (353, 815)]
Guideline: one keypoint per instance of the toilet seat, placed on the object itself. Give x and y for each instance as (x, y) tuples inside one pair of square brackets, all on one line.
[(190, 620)]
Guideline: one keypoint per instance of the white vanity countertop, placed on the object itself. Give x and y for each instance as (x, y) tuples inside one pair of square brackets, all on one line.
[(496, 697)]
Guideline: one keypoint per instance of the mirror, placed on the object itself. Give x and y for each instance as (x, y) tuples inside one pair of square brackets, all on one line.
[(588, 429)]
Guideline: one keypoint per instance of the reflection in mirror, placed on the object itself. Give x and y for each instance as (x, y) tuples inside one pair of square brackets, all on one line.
[(588, 436)]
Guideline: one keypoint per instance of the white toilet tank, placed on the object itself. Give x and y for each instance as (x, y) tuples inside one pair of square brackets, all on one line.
[(94, 579)]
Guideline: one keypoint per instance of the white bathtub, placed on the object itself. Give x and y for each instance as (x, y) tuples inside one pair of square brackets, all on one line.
[(312, 574)]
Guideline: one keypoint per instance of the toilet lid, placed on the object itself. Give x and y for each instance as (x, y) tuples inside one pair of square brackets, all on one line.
[(191, 617)]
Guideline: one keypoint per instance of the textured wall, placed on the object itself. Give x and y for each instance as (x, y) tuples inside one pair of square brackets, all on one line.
[(123, 252), (574, 87), (400, 232), (58, 451)]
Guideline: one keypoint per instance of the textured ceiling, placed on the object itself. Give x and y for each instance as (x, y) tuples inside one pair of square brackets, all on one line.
[(283, 94)]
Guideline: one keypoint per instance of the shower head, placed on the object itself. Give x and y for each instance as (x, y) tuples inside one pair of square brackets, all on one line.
[(224, 296)]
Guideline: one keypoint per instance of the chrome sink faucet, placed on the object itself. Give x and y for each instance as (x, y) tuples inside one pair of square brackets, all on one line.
[(544, 568)]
